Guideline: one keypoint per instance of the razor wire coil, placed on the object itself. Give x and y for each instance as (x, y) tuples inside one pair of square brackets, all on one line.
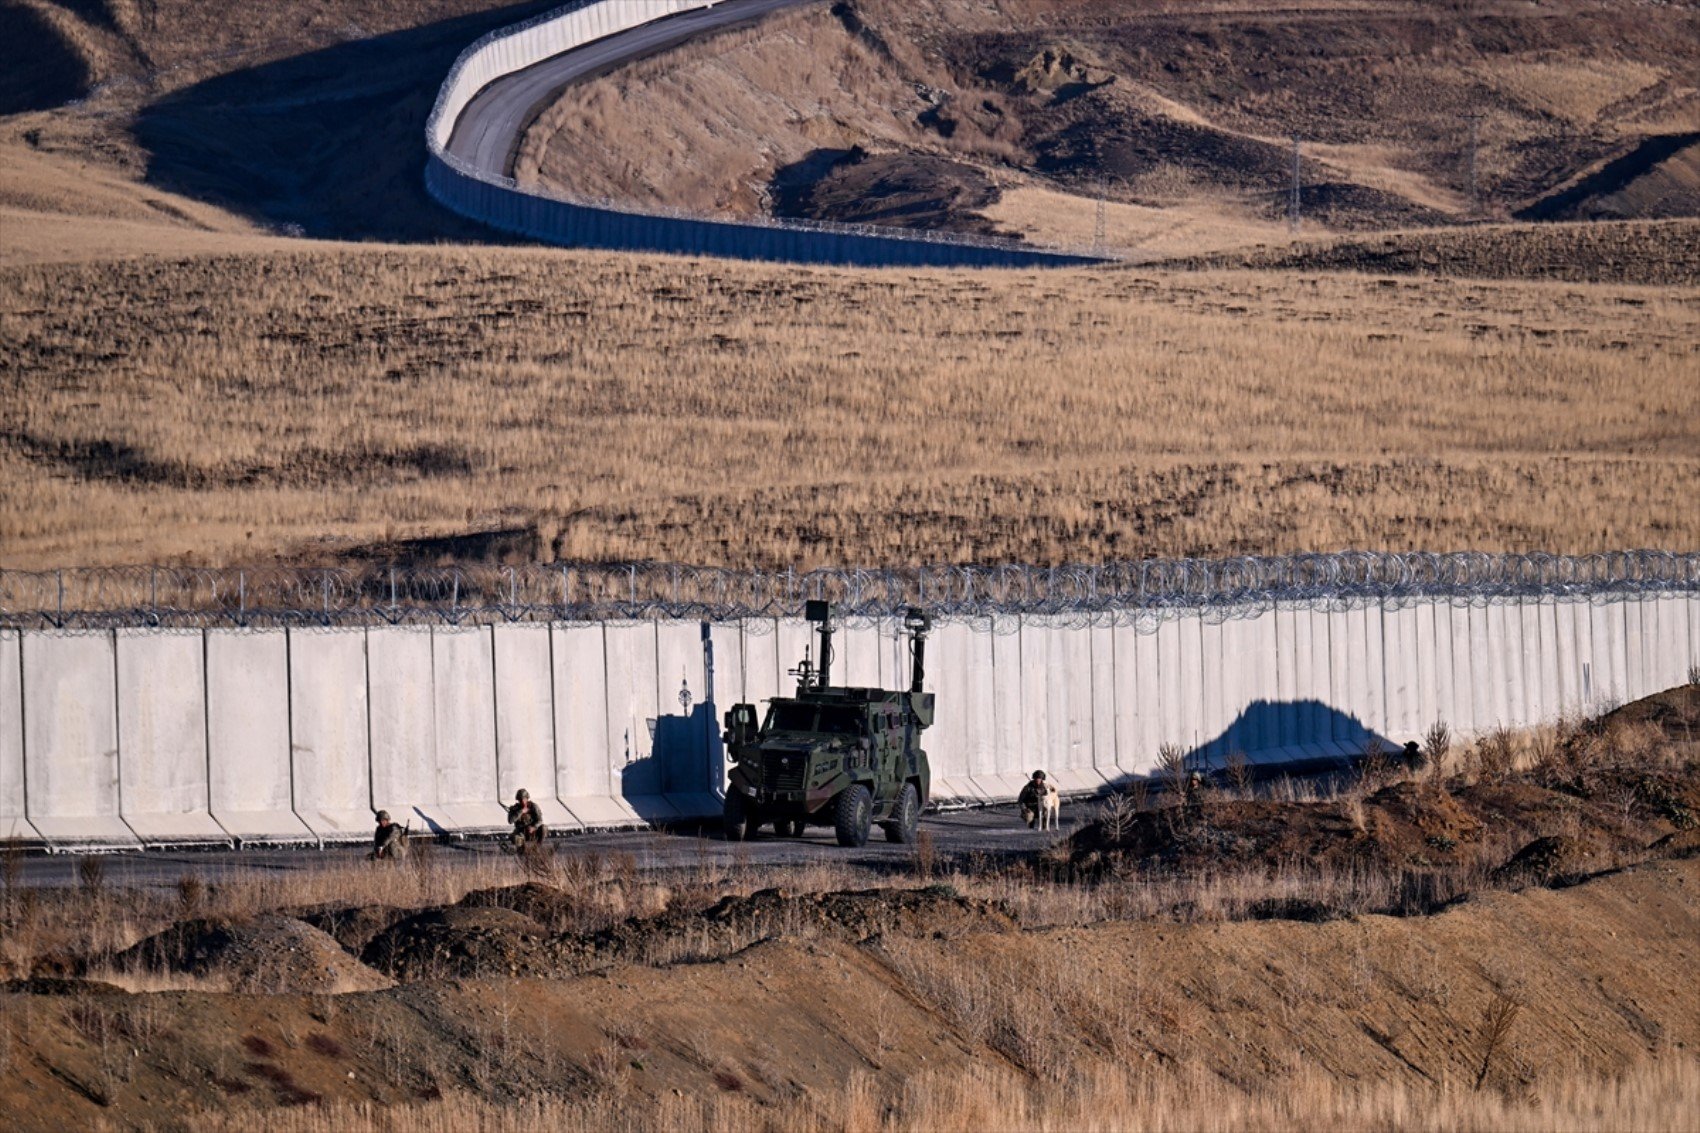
[(1139, 593)]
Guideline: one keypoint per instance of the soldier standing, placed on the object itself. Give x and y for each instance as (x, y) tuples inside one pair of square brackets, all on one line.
[(527, 819), (388, 840)]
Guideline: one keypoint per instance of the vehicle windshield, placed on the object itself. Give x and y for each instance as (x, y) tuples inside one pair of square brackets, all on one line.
[(790, 718), (833, 720)]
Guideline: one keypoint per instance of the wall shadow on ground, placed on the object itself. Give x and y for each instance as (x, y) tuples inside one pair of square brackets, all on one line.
[(331, 142)]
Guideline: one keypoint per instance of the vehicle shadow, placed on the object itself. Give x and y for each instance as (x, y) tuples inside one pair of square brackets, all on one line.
[(328, 144)]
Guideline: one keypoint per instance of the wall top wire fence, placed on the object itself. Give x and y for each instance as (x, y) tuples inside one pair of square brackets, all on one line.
[(1140, 593)]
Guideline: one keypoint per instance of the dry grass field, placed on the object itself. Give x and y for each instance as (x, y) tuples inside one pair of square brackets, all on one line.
[(294, 404)]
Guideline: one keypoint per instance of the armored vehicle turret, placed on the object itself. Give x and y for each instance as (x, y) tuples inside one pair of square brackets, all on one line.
[(833, 755)]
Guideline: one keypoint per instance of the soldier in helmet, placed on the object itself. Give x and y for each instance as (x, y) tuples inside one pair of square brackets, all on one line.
[(388, 840), (1031, 796), (527, 819)]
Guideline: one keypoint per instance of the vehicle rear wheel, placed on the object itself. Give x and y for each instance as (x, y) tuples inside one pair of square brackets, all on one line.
[(787, 827), (741, 818), (905, 817), (853, 815)]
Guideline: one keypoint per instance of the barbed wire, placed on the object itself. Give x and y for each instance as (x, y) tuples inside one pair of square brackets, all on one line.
[(1137, 593)]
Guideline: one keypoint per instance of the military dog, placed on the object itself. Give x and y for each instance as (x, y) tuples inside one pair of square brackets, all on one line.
[(1050, 806)]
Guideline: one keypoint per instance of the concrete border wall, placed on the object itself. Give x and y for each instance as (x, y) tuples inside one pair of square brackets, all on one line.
[(491, 198), (13, 823), (141, 736)]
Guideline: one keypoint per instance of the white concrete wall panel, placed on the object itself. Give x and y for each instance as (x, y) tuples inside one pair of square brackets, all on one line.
[(858, 649), (1455, 619), (162, 736), (1614, 643), (1508, 651), (1034, 691), (1069, 687), (13, 821), (585, 776), (1316, 718), (762, 676), (685, 721), (525, 719), (1014, 760), (1287, 683), (1213, 712), (1434, 667), (1128, 708), (248, 773), (634, 699), (1693, 632), (1189, 675), (329, 728), (402, 719), (71, 738), (1568, 655), (952, 741), (979, 687), (1670, 640), (1148, 711), (1540, 661), (1345, 681), (1102, 643), (1637, 678), (1263, 634), (463, 679), (1403, 672)]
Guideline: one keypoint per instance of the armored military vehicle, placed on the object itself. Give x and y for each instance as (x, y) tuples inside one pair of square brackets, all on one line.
[(832, 755)]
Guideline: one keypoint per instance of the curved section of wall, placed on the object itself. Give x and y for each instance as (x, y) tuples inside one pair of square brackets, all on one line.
[(490, 197), (128, 737)]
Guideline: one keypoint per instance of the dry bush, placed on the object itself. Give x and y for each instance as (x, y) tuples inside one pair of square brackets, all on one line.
[(1239, 773), (1493, 759), (1490, 1044), (1437, 747), (1173, 769)]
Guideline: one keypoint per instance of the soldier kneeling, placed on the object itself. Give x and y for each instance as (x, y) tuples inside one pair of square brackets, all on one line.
[(527, 819), (389, 841), (1032, 798)]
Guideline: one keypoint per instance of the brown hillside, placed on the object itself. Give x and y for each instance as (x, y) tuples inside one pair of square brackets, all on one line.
[(1181, 110)]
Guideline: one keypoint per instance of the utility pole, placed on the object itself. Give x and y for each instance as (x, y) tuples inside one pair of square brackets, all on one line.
[(1098, 222), (1293, 198), (1475, 120)]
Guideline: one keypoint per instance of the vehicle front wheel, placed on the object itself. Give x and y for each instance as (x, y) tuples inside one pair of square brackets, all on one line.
[(741, 818), (905, 817), (854, 816)]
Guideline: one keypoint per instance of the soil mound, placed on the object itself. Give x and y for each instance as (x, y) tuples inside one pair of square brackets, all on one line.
[(1551, 859), (460, 943), (268, 954), (352, 926), (1056, 71), (936, 911), (553, 909), (895, 190)]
